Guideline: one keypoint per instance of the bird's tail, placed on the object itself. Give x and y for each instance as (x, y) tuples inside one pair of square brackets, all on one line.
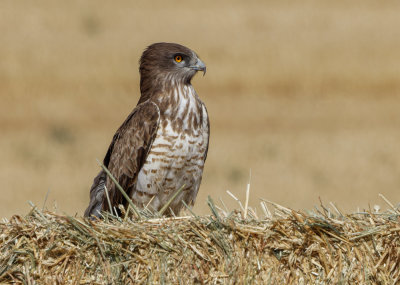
[(96, 195)]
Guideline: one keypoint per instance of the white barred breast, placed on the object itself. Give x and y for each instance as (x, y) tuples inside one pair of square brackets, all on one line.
[(176, 157)]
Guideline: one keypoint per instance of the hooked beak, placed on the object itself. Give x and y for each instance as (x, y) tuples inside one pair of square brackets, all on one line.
[(199, 66)]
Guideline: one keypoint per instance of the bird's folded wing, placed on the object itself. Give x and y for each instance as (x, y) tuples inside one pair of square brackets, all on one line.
[(126, 155)]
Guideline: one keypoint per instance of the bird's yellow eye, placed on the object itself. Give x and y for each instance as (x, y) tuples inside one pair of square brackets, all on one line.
[(178, 58)]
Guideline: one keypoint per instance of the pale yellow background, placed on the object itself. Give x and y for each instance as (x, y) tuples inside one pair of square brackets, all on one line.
[(306, 94)]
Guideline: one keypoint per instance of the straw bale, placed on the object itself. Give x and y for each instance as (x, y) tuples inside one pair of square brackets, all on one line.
[(287, 246)]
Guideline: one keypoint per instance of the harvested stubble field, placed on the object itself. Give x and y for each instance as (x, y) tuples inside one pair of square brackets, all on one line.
[(286, 247), (304, 93)]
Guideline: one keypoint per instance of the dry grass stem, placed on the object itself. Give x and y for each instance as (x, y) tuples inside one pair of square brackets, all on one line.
[(120, 189)]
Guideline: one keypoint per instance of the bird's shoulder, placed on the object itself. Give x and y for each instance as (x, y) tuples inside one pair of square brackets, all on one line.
[(137, 131)]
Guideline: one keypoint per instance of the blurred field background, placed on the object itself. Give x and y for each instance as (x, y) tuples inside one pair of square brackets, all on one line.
[(303, 93)]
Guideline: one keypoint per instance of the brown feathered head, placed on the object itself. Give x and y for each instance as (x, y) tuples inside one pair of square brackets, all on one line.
[(162, 64)]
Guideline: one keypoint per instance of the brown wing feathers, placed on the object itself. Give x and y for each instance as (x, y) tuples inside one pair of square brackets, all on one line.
[(125, 157)]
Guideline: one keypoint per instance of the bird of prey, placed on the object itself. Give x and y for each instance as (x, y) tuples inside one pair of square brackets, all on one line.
[(162, 145)]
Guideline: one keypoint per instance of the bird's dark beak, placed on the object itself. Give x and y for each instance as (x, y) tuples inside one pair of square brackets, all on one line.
[(199, 66)]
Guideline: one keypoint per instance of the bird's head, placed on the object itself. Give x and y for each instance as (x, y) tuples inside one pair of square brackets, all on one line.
[(169, 62)]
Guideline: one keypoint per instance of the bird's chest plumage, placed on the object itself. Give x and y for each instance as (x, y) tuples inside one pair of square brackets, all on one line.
[(176, 158)]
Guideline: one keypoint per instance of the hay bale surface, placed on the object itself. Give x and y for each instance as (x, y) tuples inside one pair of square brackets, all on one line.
[(222, 248)]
